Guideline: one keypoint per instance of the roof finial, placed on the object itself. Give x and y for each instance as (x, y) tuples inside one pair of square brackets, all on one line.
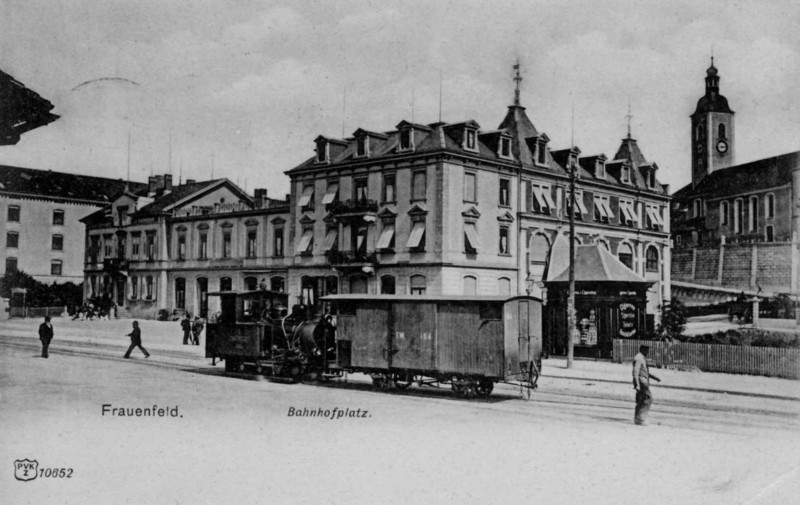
[(518, 79), (712, 55), (629, 116)]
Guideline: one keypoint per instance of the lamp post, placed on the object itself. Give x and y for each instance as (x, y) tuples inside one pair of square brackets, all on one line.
[(571, 295)]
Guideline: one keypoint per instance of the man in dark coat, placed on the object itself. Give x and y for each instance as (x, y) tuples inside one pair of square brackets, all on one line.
[(45, 335), (197, 329), (187, 330), (136, 341)]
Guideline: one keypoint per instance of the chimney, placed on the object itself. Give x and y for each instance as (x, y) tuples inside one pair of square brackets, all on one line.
[(168, 182), (152, 182), (260, 195), (190, 181)]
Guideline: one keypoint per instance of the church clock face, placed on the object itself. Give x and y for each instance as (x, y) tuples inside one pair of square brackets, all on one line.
[(722, 146)]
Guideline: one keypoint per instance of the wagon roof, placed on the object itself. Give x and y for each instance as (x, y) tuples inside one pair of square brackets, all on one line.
[(423, 298)]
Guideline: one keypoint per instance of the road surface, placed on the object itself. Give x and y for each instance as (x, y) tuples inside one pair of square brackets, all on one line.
[(236, 440)]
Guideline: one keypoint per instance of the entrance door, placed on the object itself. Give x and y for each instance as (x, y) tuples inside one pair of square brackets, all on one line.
[(120, 291), (202, 294)]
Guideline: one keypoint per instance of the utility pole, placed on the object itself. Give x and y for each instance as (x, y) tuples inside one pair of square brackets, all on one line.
[(571, 295)]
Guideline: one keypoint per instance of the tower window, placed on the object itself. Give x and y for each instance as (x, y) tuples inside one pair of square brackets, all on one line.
[(723, 213), (721, 131), (505, 147), (769, 205), (541, 152)]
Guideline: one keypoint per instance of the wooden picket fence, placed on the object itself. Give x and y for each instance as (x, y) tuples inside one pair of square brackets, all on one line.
[(769, 361)]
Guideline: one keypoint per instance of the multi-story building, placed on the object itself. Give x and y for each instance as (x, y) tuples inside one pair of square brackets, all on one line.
[(40, 213), (167, 247), (735, 227), (447, 208)]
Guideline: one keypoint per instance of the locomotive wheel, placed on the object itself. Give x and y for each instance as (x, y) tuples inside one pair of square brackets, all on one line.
[(469, 390), (484, 388), (293, 371), (259, 369), (241, 368)]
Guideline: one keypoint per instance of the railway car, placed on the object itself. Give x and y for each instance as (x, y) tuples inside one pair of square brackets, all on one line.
[(469, 342), (255, 330)]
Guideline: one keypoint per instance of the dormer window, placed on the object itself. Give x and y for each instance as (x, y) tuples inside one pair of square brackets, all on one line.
[(505, 147), (625, 175), (322, 151), (541, 149), (362, 146), (600, 169), (470, 140), (406, 139)]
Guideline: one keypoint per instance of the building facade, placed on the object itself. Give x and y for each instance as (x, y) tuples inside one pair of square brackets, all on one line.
[(166, 247), (448, 208), (735, 226), (40, 213)]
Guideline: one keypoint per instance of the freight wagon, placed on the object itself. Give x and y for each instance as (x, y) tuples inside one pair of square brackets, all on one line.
[(469, 342)]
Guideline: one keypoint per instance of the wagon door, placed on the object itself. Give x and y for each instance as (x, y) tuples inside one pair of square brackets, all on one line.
[(369, 334), (523, 334), (413, 336)]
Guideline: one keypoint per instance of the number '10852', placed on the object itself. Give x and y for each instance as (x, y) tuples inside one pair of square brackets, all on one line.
[(56, 473)]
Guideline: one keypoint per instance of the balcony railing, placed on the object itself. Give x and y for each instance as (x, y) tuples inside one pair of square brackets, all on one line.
[(353, 207), (345, 258)]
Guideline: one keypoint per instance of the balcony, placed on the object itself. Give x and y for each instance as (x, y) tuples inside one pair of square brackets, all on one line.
[(351, 259), (353, 208), (115, 264)]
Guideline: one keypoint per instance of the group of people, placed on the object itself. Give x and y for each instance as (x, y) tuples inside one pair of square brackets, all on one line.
[(90, 312), (191, 331)]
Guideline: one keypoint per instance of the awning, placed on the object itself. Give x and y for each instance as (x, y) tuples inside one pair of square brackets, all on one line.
[(416, 234), (537, 193), (632, 209), (581, 207), (626, 211), (607, 207), (548, 198), (471, 235), (330, 239), (386, 237), (330, 194), (598, 204), (305, 241), (655, 216), (306, 197)]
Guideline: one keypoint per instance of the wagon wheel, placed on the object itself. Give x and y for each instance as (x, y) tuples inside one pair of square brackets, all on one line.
[(403, 383), (241, 367), (484, 387), (379, 382), (458, 388), (293, 370), (470, 389)]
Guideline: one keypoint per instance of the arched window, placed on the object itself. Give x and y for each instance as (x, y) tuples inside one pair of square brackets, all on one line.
[(651, 259), (504, 286), (251, 283), (602, 243), (721, 131), (723, 213), (418, 284), (470, 285), (625, 255), (180, 293), (738, 215), (769, 206), (388, 285), (752, 214), (225, 284)]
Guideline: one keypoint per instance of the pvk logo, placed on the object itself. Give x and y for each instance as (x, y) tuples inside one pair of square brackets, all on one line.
[(26, 469)]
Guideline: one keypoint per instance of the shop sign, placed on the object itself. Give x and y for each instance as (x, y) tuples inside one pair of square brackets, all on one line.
[(627, 320)]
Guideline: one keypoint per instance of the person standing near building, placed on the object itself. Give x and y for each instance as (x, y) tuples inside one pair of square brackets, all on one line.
[(136, 341), (45, 335), (197, 329), (186, 325), (641, 383)]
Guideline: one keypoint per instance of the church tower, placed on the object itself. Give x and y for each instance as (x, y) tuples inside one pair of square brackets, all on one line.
[(712, 130)]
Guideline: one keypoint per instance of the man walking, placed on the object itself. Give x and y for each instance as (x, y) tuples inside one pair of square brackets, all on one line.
[(45, 335), (136, 341), (641, 383)]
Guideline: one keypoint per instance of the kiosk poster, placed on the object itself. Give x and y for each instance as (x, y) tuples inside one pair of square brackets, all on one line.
[(627, 320)]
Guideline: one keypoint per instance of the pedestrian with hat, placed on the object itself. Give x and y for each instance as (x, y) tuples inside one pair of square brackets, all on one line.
[(45, 335), (641, 383), (136, 341)]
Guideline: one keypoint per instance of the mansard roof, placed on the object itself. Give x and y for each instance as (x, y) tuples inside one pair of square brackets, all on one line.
[(184, 193), (61, 186), (448, 137)]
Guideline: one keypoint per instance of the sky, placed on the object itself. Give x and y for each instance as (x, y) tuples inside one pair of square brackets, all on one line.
[(241, 88)]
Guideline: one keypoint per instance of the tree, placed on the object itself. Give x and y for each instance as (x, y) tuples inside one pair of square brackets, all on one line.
[(38, 293), (673, 320)]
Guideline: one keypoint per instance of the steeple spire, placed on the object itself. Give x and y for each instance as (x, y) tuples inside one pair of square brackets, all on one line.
[(629, 116), (518, 79)]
